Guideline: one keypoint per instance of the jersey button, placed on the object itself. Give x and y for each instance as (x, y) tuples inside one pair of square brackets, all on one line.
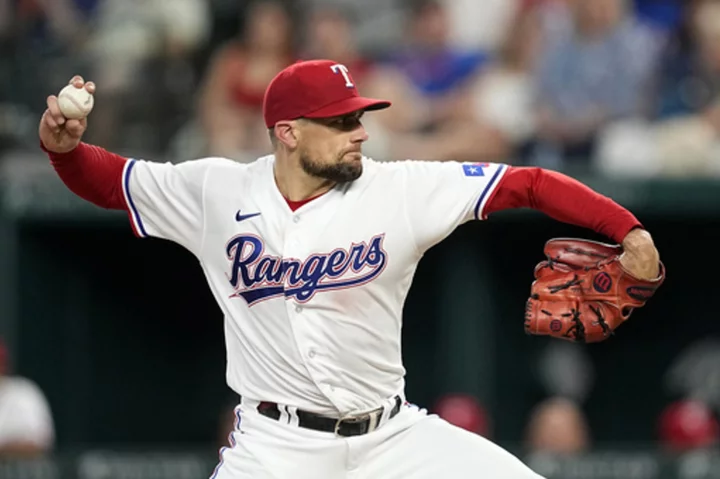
[(298, 309), (311, 353), (296, 219)]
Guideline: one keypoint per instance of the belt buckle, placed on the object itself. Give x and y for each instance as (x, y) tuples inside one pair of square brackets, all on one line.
[(373, 417), (349, 420)]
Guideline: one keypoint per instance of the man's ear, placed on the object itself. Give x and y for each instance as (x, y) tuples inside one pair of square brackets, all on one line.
[(287, 133)]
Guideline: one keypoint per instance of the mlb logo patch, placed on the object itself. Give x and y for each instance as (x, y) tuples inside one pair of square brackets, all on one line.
[(474, 169)]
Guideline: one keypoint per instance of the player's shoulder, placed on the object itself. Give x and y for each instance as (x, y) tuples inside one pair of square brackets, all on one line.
[(384, 175), (408, 166), (410, 171), (387, 166), (221, 169), (226, 164)]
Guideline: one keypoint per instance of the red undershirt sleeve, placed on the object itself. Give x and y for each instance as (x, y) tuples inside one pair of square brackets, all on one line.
[(92, 173), (562, 198)]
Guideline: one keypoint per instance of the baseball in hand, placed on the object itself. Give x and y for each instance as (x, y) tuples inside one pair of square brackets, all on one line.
[(75, 103)]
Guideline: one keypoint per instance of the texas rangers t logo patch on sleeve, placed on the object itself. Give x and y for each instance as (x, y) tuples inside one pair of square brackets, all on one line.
[(474, 169)]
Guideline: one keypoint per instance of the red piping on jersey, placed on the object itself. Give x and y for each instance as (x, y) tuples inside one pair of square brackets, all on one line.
[(562, 198)]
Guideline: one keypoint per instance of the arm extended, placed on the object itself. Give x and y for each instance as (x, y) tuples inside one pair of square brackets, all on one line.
[(566, 199), (92, 173)]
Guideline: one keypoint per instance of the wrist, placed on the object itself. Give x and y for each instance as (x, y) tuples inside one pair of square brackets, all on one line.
[(55, 153)]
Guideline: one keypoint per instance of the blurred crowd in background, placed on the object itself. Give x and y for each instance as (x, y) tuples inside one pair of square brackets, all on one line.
[(621, 87)]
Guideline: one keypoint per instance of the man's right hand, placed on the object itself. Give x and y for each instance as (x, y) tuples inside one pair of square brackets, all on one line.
[(57, 133)]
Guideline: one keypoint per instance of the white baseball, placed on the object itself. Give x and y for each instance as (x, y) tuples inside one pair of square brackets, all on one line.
[(75, 103)]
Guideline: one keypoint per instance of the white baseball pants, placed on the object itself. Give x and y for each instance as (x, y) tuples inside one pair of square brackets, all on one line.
[(412, 445)]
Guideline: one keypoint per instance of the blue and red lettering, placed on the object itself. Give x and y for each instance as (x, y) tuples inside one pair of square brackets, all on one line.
[(257, 277)]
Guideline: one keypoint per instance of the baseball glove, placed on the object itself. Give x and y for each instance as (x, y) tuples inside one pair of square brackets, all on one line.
[(582, 293)]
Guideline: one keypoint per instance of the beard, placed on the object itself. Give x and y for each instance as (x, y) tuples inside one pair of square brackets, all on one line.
[(340, 172)]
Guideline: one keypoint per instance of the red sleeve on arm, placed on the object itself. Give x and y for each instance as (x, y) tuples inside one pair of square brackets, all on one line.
[(562, 198), (92, 173)]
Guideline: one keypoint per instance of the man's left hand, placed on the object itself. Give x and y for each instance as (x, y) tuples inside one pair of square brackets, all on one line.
[(640, 258)]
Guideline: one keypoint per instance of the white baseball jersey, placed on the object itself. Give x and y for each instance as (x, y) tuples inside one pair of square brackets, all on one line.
[(312, 298)]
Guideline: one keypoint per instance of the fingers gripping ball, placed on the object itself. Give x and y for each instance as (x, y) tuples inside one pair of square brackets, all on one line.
[(582, 293), (75, 103)]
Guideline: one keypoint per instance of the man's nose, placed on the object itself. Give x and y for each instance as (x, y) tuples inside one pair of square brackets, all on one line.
[(359, 135)]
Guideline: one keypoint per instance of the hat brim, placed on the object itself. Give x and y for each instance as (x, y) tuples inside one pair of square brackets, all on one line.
[(348, 105)]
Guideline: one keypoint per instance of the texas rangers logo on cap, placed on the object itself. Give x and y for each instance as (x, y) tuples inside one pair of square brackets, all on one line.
[(314, 89)]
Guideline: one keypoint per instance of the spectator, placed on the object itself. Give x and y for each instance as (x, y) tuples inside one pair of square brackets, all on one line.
[(48, 26), (692, 58), (232, 94), (26, 426), (481, 25), (504, 92), (688, 424), (375, 22), (39, 42), (429, 82), (427, 78), (464, 411), (684, 138), (329, 35), (589, 77), (664, 14), (136, 43), (558, 426)]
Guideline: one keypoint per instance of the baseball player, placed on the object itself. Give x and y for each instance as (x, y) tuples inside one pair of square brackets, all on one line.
[(310, 252)]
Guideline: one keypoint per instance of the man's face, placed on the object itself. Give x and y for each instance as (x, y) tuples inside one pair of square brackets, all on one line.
[(331, 148)]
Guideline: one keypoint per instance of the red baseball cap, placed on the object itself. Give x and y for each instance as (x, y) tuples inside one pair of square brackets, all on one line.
[(314, 89)]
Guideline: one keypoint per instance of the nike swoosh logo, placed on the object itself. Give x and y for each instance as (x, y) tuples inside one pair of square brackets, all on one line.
[(241, 217)]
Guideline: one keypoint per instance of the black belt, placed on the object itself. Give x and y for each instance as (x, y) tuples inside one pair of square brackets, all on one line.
[(346, 427)]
